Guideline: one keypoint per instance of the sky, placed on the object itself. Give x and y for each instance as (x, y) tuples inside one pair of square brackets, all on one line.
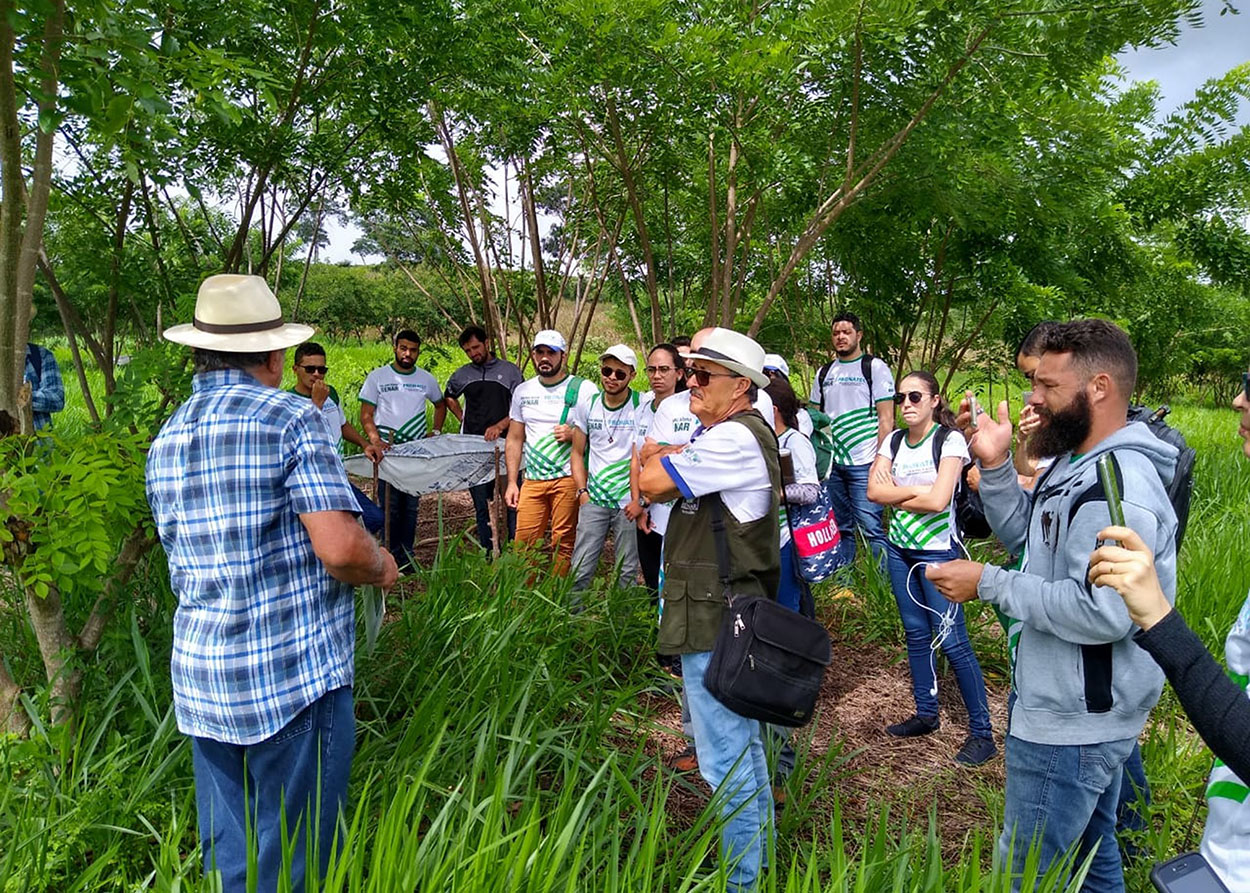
[(1221, 43)]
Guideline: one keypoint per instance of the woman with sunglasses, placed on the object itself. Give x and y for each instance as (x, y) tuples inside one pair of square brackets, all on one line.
[(666, 371), (1216, 703), (919, 486)]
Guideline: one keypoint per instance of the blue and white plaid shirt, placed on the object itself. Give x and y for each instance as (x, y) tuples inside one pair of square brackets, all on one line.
[(261, 629), (47, 389)]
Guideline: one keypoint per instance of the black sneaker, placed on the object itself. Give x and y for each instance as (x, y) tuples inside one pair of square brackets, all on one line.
[(914, 726), (976, 751)]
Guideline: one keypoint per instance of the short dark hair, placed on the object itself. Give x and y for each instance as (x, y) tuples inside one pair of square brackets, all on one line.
[(406, 335), (309, 349), (1096, 346), (1034, 338), (471, 333), (785, 401), (215, 360), (848, 316), (681, 341)]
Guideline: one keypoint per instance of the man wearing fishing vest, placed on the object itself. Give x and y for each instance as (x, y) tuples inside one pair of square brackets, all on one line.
[(392, 411), (543, 437), (603, 450), (856, 391), (729, 468)]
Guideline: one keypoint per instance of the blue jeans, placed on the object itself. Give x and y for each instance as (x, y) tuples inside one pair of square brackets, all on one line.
[(848, 493), (922, 608), (482, 495), (403, 509), (732, 761), (370, 514), (243, 791), (1134, 798), (1064, 795)]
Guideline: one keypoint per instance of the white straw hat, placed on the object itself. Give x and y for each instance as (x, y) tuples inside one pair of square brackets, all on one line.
[(734, 351), (238, 314)]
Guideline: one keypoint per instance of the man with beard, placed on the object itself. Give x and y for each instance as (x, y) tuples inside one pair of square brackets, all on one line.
[(392, 410), (1084, 689), (603, 453), (856, 391), (487, 383), (542, 433)]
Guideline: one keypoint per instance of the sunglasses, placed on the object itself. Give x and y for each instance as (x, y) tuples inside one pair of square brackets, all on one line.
[(313, 370), (1245, 384), (910, 396), (659, 370), (704, 376), (618, 374)]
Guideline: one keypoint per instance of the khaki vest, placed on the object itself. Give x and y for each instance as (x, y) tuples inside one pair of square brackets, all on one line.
[(694, 603)]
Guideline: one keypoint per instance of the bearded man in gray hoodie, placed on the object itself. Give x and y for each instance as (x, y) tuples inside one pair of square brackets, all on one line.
[(1084, 688)]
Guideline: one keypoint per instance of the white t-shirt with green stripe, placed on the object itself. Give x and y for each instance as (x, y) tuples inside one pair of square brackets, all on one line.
[(610, 438), (1226, 839), (853, 411), (913, 467), (540, 408), (399, 399)]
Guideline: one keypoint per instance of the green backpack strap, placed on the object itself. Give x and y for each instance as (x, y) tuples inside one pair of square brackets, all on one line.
[(571, 392)]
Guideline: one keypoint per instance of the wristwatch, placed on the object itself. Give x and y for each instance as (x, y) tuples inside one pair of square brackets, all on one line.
[(581, 490)]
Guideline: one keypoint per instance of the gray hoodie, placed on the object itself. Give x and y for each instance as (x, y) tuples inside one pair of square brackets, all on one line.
[(1079, 677)]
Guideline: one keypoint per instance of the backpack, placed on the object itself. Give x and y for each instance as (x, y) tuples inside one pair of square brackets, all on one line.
[(822, 442), (865, 366), (571, 392), (1181, 490), (970, 520)]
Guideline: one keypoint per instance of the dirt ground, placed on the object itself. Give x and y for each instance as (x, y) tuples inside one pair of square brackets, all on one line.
[(866, 688)]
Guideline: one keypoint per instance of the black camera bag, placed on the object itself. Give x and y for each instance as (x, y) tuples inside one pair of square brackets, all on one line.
[(768, 661)]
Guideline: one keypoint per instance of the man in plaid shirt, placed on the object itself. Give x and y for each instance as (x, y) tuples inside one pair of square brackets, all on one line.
[(258, 520)]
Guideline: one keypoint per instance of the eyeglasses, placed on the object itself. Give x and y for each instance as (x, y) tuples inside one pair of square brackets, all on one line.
[(314, 370), (618, 374), (659, 370), (913, 396), (704, 376)]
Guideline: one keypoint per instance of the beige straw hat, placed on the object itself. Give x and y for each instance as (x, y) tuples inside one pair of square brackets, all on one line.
[(238, 314)]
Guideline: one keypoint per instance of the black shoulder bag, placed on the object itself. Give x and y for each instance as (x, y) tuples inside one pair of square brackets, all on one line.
[(768, 661)]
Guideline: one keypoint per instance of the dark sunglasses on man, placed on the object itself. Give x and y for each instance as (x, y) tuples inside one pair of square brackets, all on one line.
[(910, 396), (314, 370), (703, 377), (618, 374), (1245, 384)]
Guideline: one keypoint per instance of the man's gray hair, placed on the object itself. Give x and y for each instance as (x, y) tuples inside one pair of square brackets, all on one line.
[(214, 360)]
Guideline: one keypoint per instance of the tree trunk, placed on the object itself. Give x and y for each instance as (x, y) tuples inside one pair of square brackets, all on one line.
[(58, 649)]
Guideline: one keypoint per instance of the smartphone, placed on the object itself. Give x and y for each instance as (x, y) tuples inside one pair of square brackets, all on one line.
[(974, 409), (1111, 487), (1188, 873)]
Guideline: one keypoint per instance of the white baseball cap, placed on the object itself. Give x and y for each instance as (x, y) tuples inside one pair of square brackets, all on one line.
[(776, 361), (623, 353), (550, 338), (735, 351)]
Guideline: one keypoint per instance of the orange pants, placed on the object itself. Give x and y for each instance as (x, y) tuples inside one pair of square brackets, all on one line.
[(549, 502)]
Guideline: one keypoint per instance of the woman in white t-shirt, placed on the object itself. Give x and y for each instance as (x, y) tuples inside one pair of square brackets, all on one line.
[(666, 372), (920, 489), (803, 490)]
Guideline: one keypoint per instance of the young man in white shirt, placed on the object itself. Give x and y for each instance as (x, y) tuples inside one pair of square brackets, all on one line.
[(310, 381), (602, 452), (392, 411), (542, 435), (856, 391)]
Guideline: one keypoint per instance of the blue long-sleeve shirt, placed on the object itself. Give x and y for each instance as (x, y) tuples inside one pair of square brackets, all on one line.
[(47, 389)]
